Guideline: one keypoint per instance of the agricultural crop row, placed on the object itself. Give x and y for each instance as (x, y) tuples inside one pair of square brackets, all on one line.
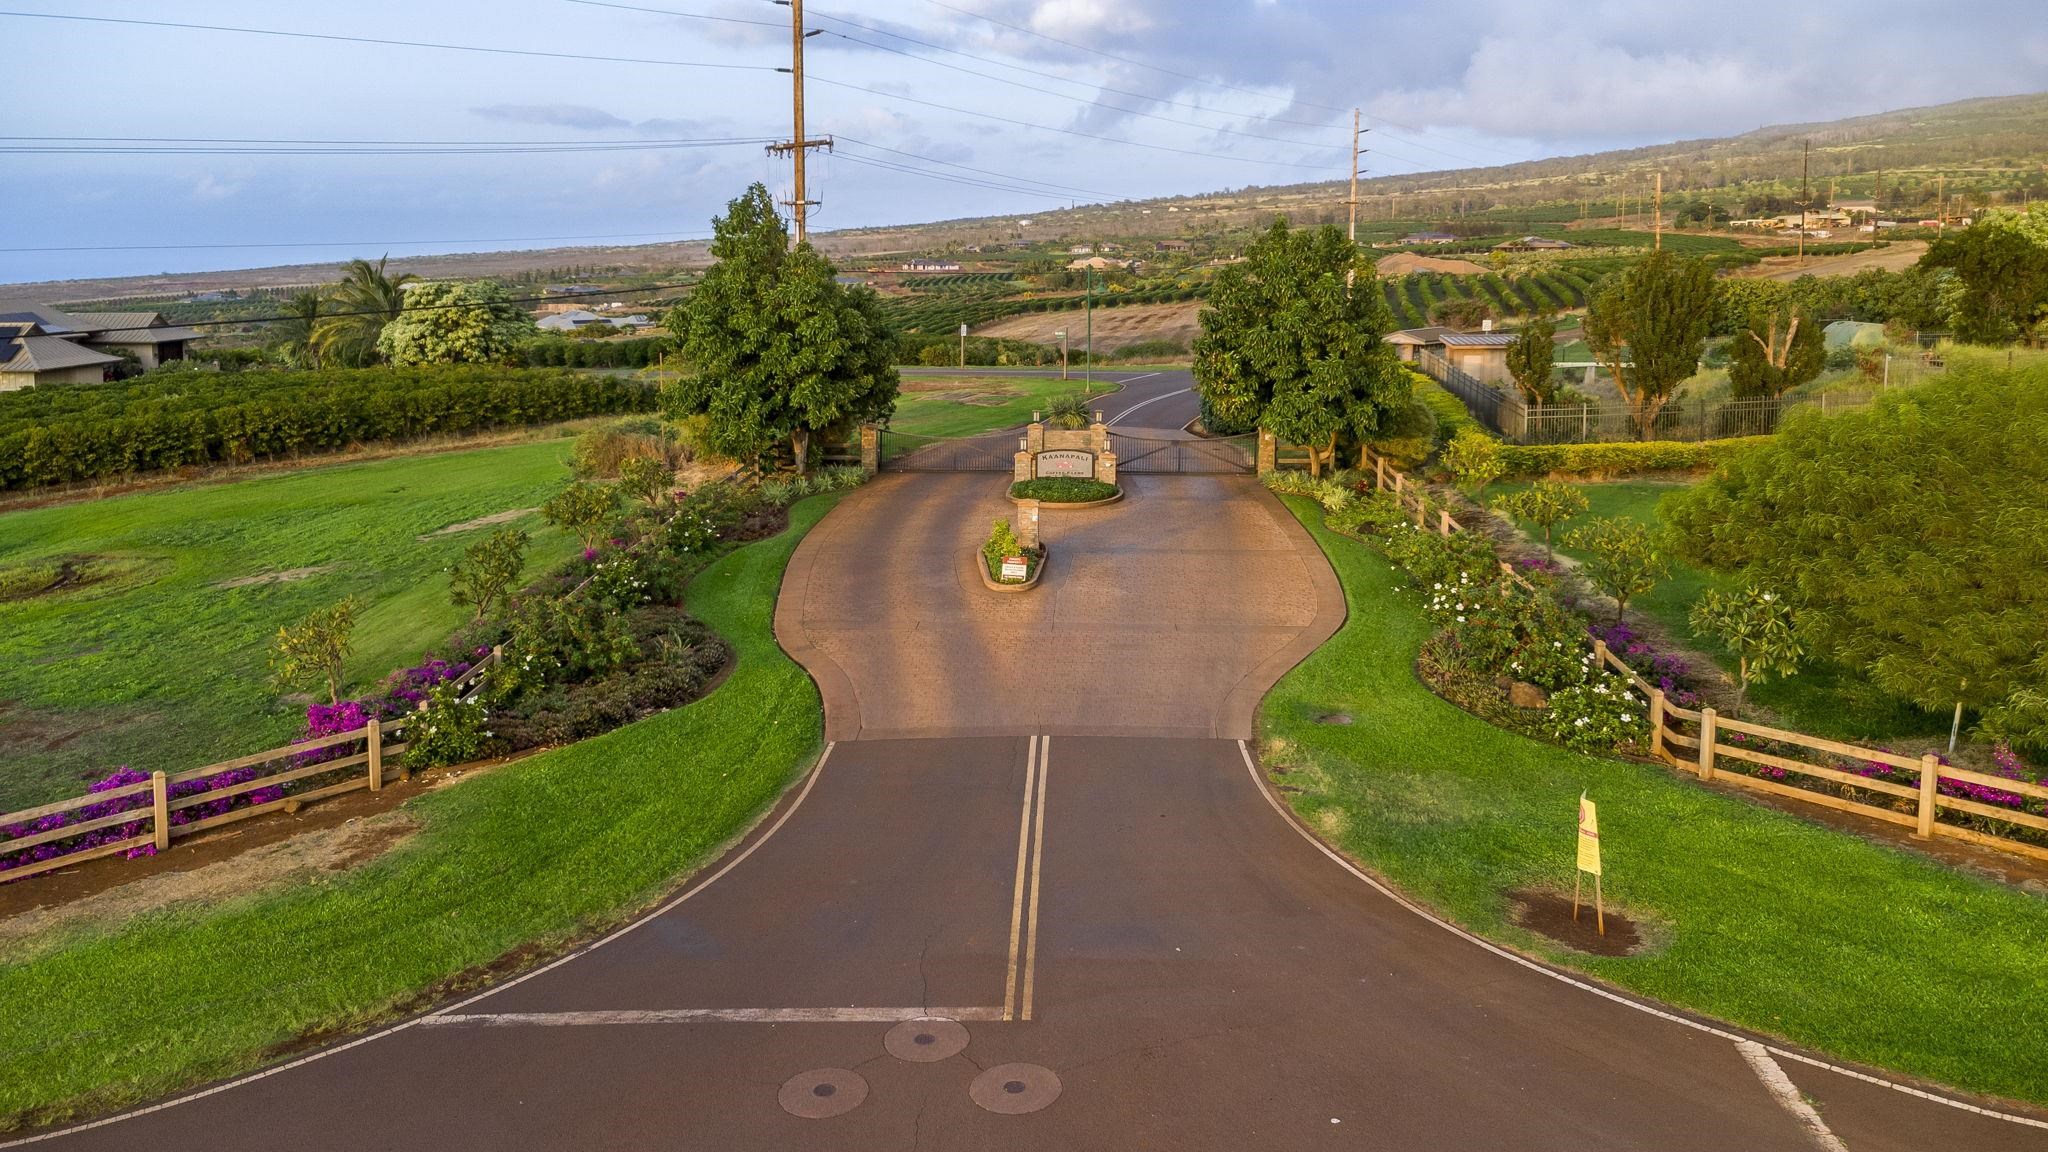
[(944, 312), (1414, 299)]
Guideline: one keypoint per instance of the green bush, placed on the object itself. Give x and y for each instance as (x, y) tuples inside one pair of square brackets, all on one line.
[(1622, 458), (1063, 490), (1452, 417), (174, 420), (446, 730)]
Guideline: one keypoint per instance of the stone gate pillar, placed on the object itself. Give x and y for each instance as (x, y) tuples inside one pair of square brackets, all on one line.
[(1034, 437), (1269, 452), (870, 449), (1098, 436), (1105, 466), (1022, 471), (1027, 523)]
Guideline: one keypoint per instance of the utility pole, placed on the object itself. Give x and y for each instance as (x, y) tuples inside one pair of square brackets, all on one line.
[(1088, 388), (1657, 214), (1351, 273), (1805, 156), (798, 144)]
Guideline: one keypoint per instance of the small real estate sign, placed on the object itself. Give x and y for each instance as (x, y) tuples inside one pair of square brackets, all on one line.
[(1066, 462), (1014, 568)]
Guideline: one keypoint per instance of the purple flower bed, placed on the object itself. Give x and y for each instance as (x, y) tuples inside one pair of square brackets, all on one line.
[(2009, 766), (1668, 672), (402, 693)]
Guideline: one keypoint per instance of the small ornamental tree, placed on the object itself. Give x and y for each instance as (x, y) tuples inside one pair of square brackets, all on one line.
[(584, 508), (487, 569), (310, 653), (646, 477), (1546, 504), (444, 323), (1474, 459), (1756, 625), (1777, 351), (1649, 328), (1293, 342), (1530, 357), (1624, 560)]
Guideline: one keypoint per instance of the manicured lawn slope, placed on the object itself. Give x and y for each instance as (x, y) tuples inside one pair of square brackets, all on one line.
[(543, 849), (1764, 919), (1823, 699), (166, 670)]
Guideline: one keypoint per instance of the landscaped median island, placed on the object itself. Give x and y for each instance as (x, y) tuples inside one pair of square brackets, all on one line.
[(1772, 922), (1065, 491), (518, 861), (1010, 562)]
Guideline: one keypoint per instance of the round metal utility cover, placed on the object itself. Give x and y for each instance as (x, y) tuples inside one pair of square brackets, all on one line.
[(926, 1039), (1014, 1089), (822, 1092)]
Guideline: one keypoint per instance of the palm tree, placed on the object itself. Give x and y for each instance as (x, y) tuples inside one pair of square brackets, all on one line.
[(364, 301), (295, 335)]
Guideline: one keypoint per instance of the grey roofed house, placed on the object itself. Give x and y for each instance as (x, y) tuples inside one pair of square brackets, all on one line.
[(147, 336), (1427, 238), (29, 356), (580, 318), (1410, 341), (1531, 244)]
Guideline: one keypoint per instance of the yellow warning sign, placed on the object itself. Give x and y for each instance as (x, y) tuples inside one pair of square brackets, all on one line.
[(1589, 836)]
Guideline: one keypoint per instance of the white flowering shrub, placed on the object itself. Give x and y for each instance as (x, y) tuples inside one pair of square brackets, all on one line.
[(1598, 714), (446, 730)]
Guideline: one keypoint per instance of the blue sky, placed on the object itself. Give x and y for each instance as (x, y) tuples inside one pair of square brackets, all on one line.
[(1446, 83)]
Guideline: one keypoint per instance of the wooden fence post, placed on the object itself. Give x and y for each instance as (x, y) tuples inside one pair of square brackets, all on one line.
[(1708, 736), (1379, 471), (1443, 522), (160, 809), (1657, 724), (1929, 775), (1600, 653), (375, 731)]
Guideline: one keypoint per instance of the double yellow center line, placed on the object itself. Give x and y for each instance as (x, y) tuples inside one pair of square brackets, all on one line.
[(1017, 984)]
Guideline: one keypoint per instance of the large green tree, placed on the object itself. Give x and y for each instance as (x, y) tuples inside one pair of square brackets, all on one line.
[(1649, 327), (1910, 536), (1530, 357), (1288, 344), (358, 308), (779, 350), (2002, 263), (1779, 349), (449, 323)]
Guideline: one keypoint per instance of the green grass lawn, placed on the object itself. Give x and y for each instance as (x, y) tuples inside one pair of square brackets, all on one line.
[(163, 668), (970, 406), (1824, 699), (546, 849), (1757, 917)]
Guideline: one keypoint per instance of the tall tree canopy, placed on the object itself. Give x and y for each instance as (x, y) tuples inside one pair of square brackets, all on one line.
[(2002, 262), (357, 310), (1649, 327), (779, 350), (1911, 536), (447, 323), (1289, 345), (1530, 357), (1780, 348)]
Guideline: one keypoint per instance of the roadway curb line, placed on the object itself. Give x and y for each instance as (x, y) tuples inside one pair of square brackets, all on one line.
[(1787, 1094), (817, 770), (1517, 958)]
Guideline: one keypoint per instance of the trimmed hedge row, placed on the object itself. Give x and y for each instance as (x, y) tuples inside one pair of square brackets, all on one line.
[(1451, 414), (1622, 458), (68, 433), (557, 352)]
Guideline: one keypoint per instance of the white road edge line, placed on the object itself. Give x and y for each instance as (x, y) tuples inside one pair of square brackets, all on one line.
[(817, 770), (1787, 1094), (1121, 416), (1037, 870), (1595, 989), (710, 1015)]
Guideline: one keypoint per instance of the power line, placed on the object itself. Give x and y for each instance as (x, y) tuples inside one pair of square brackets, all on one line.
[(257, 148), (1066, 188), (1066, 131), (530, 52), (775, 24), (362, 243), (970, 181)]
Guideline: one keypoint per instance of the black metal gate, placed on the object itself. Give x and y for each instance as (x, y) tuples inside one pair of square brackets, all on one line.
[(1233, 456), (905, 452)]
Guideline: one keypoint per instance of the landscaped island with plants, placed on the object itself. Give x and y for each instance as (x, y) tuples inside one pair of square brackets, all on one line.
[(1064, 490)]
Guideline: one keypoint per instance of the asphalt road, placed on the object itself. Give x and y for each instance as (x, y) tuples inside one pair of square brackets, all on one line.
[(1128, 941)]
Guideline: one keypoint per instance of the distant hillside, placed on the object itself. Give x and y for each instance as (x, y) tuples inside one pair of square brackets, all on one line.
[(1964, 155)]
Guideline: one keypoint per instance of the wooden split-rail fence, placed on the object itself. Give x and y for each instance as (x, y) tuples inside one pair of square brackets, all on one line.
[(155, 827), (1706, 738)]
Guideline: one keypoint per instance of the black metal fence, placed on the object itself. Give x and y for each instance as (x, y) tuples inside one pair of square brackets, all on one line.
[(1144, 454), (904, 452)]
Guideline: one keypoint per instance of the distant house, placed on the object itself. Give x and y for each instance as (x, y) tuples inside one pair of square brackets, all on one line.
[(1081, 250), (1101, 264), (1483, 355), (1408, 264), (1857, 207), (1172, 246), (1410, 343), (1531, 244), (579, 318), (44, 345), (929, 266), (1427, 238)]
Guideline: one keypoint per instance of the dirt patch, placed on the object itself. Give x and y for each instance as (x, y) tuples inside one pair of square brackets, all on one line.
[(26, 730), (491, 521), (956, 384), (204, 876), (284, 577), (1114, 327), (761, 524), (1894, 257), (1550, 914), (57, 575)]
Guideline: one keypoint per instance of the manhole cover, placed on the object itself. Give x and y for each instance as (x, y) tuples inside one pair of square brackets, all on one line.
[(822, 1092), (1014, 1089), (926, 1039)]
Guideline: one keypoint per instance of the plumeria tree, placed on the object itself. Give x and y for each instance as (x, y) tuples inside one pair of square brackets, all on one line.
[(1623, 559), (1758, 627), (1546, 504)]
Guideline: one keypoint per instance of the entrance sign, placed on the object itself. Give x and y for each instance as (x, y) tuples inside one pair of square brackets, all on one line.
[(1014, 568), (1066, 462), (1589, 861)]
